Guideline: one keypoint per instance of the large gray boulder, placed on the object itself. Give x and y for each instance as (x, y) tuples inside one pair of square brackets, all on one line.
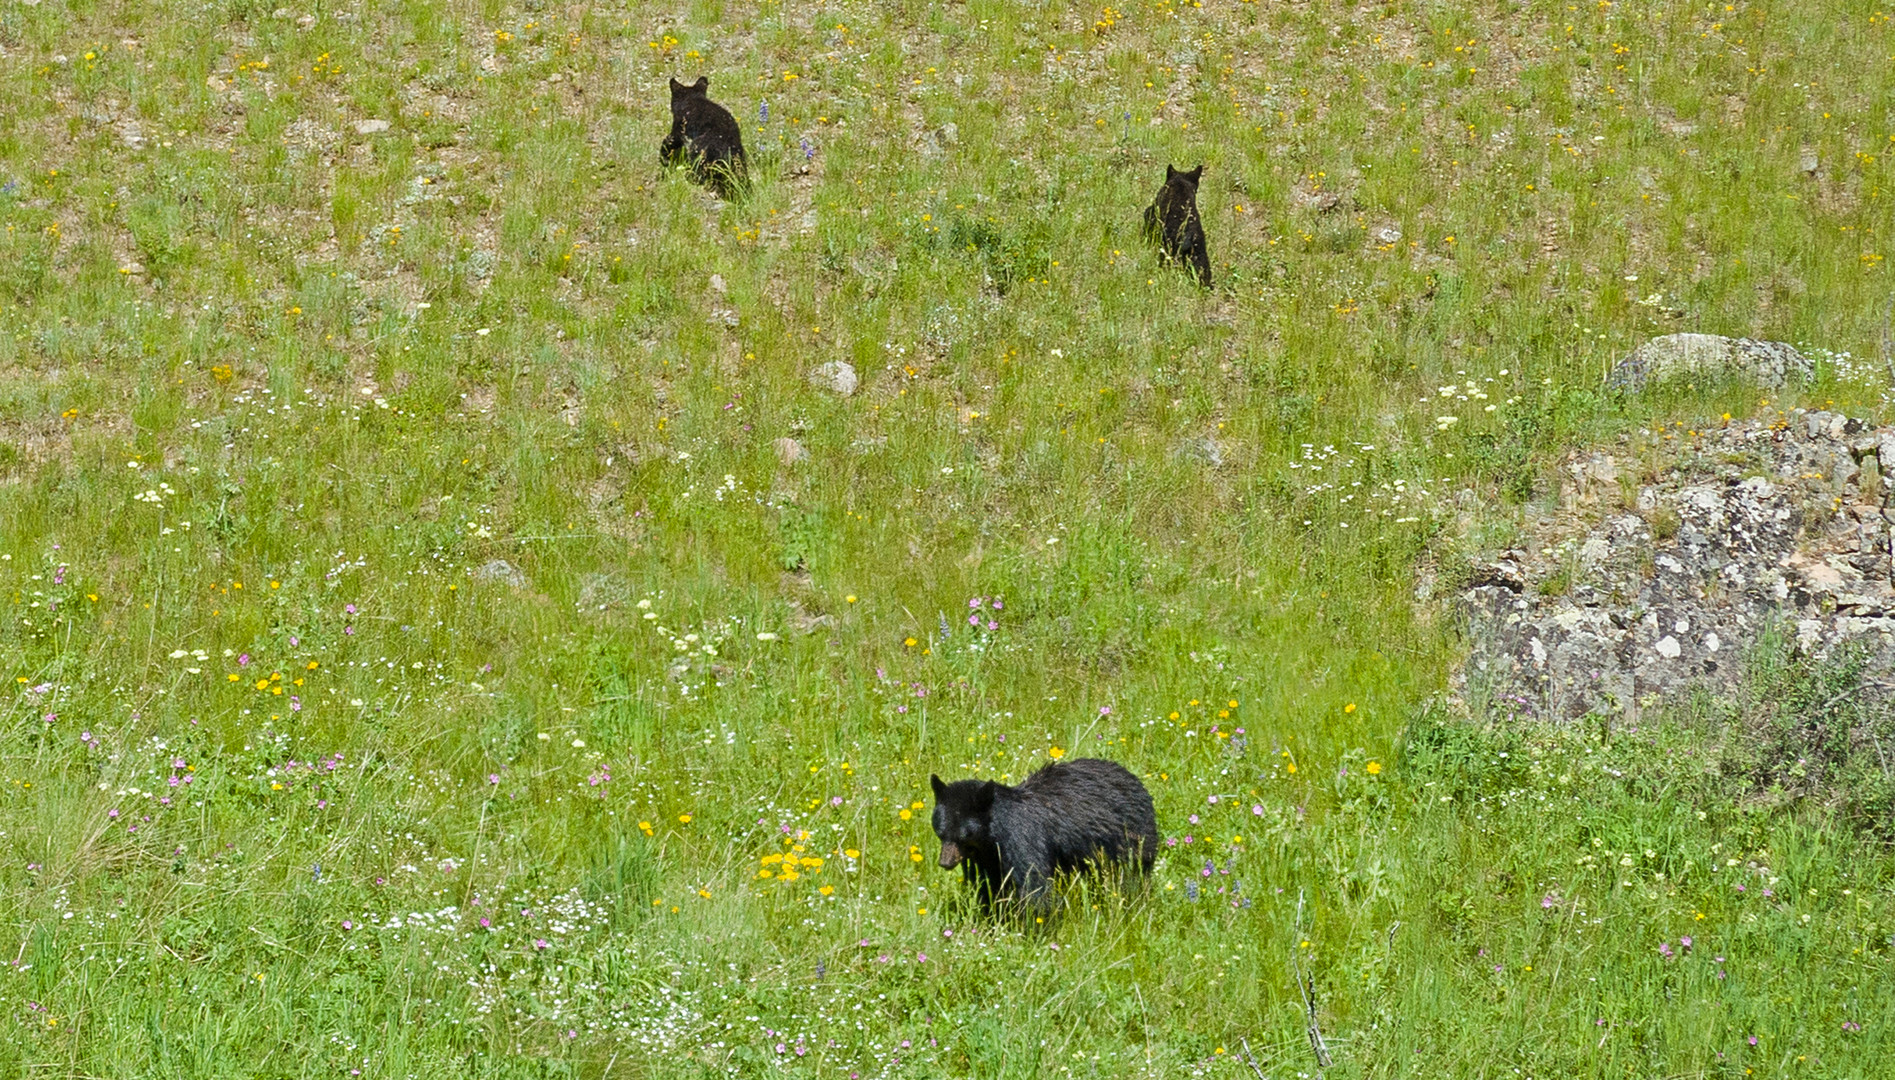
[(1769, 363)]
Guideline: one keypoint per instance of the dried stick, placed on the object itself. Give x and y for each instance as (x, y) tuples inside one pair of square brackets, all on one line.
[(1307, 984)]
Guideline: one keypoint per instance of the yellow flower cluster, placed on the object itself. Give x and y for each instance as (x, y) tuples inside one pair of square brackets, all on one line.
[(782, 865)]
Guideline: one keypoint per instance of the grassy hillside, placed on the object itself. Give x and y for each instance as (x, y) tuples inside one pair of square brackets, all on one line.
[(311, 315)]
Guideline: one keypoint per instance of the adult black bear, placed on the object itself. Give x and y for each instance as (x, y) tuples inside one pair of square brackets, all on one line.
[(704, 136), (1010, 841), (1172, 220)]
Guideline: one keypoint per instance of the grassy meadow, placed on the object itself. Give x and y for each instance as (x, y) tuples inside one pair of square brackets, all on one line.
[(311, 314)]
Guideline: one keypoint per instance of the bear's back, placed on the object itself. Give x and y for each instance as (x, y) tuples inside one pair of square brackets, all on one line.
[(1078, 808), (709, 127)]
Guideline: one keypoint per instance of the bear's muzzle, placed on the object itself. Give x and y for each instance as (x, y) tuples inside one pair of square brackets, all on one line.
[(950, 855)]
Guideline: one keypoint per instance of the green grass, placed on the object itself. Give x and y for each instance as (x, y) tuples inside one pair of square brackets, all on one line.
[(488, 830)]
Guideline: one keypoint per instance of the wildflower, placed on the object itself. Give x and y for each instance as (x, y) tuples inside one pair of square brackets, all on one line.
[(1055, 753), (1373, 768), (684, 819), (1349, 708), (1257, 809)]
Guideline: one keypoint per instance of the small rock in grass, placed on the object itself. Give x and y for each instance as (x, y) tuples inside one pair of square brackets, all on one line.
[(502, 571), (370, 127), (789, 451), (837, 375)]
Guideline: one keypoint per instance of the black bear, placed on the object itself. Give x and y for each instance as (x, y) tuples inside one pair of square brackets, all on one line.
[(1172, 220), (1010, 841), (704, 136)]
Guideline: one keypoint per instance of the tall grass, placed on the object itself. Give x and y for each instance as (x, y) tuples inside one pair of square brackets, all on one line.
[(299, 781)]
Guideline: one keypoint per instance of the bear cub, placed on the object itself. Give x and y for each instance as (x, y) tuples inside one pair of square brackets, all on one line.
[(1010, 841), (1172, 220), (704, 136)]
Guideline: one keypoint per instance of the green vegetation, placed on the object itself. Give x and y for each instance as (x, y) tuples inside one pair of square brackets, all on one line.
[(299, 782)]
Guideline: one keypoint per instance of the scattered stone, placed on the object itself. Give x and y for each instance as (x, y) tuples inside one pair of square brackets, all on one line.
[(717, 284), (1314, 198), (789, 451), (837, 375), (1754, 533), (1770, 363), (370, 127), (502, 572)]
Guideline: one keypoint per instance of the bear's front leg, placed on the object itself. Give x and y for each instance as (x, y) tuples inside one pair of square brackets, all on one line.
[(1035, 882)]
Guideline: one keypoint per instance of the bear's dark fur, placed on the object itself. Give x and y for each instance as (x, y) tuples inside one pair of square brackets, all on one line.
[(704, 136), (1172, 220), (1010, 841)]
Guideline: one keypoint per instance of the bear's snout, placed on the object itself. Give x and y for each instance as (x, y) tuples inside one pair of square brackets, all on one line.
[(950, 855)]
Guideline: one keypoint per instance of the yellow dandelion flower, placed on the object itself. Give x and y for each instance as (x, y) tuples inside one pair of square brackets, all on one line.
[(1374, 768), (1055, 753)]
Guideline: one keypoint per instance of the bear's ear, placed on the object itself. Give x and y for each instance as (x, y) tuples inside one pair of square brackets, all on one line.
[(987, 794), (1170, 172), (676, 87), (939, 787), (703, 83), (1197, 173)]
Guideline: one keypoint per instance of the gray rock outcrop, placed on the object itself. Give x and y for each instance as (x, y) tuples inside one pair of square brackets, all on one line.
[(1759, 532)]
